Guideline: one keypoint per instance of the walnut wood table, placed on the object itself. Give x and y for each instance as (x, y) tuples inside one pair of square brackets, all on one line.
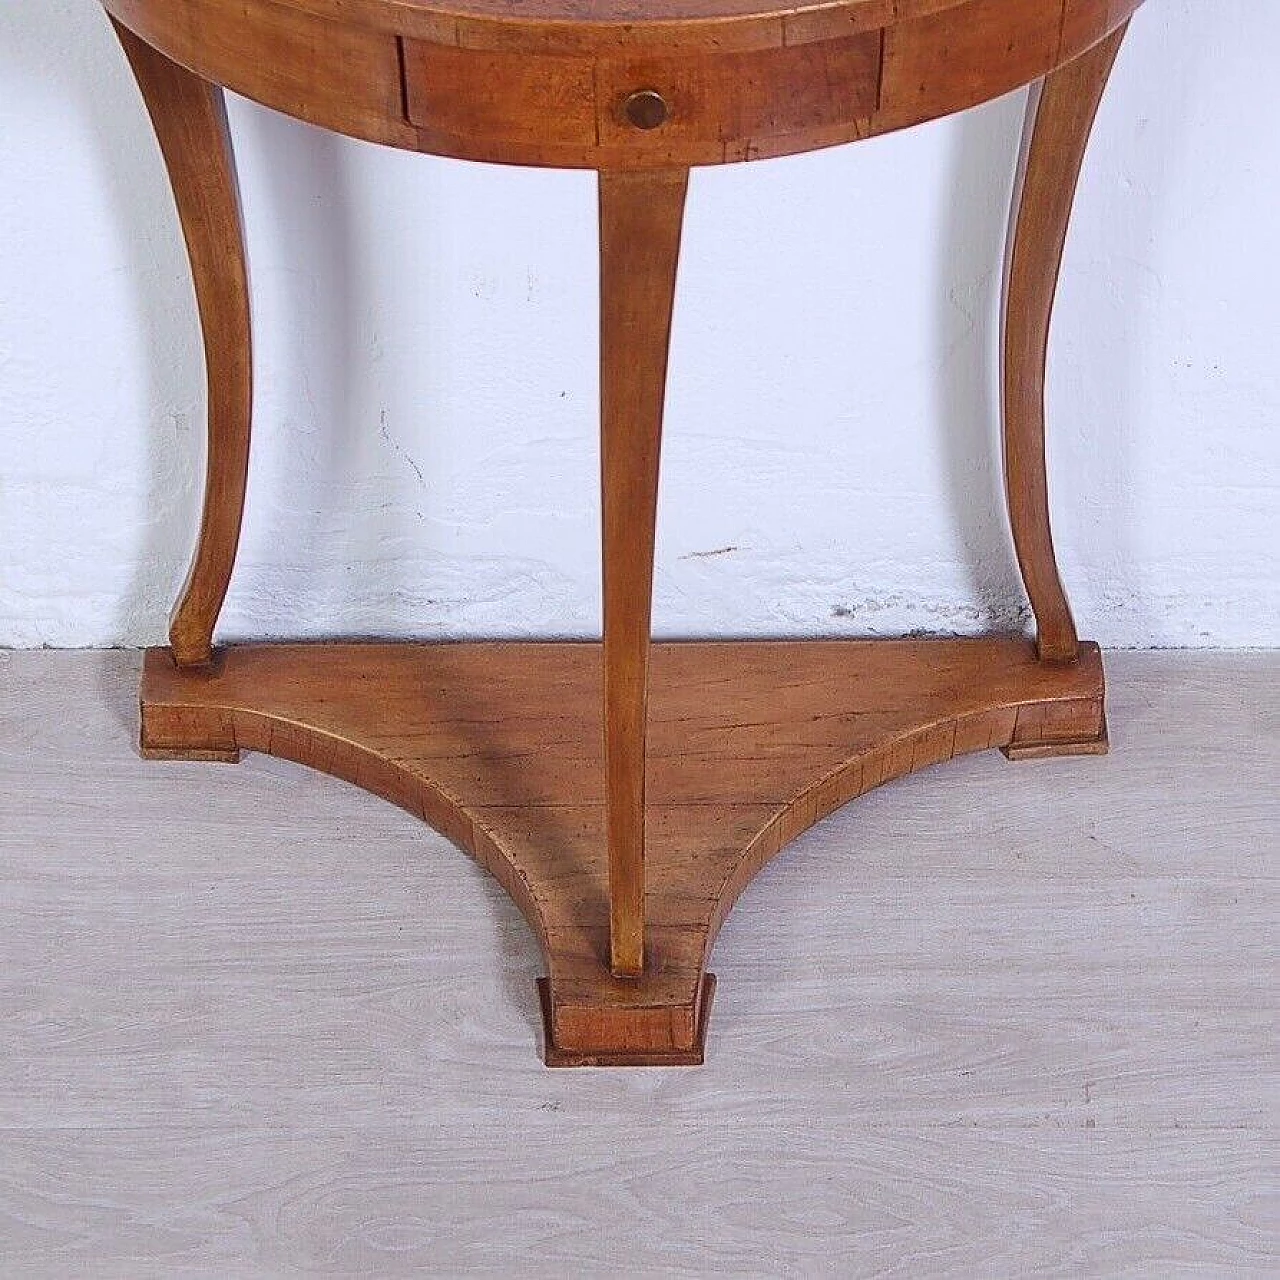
[(624, 794)]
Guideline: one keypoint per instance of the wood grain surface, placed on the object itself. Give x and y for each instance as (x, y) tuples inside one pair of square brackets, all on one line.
[(259, 1023)]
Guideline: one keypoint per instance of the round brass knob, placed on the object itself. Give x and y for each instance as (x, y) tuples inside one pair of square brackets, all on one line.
[(646, 109)]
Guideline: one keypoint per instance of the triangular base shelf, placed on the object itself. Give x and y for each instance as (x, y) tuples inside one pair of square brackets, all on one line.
[(498, 747)]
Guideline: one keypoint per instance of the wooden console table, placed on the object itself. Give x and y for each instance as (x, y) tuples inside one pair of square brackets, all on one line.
[(624, 794)]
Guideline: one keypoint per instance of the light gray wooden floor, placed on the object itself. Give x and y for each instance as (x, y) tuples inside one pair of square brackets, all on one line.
[(992, 1020)]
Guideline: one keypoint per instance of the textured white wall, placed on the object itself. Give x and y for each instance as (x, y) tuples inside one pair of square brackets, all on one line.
[(425, 457)]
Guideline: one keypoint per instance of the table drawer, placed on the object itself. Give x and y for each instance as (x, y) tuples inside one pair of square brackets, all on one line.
[(675, 109)]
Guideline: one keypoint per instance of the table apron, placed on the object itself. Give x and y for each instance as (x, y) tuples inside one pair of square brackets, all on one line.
[(571, 110)]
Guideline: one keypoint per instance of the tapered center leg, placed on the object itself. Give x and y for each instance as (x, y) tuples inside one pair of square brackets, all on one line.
[(641, 215)]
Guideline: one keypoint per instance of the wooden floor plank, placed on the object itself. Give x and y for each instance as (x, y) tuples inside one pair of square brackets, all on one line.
[(253, 1021)]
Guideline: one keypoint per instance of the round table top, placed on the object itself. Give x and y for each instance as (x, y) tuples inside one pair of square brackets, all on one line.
[(582, 24), (630, 10)]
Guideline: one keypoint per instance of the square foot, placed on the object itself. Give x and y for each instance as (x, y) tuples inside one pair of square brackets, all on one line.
[(1098, 746), (695, 1057)]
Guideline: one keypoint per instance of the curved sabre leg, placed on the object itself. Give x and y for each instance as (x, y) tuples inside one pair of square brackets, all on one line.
[(190, 122), (1060, 116)]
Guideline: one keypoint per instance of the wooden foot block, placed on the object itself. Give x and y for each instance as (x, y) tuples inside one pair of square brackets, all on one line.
[(1067, 727), (1098, 745), (612, 1056)]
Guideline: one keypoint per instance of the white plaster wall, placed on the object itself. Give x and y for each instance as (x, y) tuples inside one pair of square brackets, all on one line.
[(425, 456)]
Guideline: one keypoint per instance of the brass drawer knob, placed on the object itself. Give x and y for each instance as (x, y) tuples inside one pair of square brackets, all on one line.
[(646, 109)]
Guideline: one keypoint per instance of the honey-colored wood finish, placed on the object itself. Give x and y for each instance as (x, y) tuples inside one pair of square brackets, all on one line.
[(641, 216), (623, 794), (190, 121), (1060, 115), (498, 746)]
